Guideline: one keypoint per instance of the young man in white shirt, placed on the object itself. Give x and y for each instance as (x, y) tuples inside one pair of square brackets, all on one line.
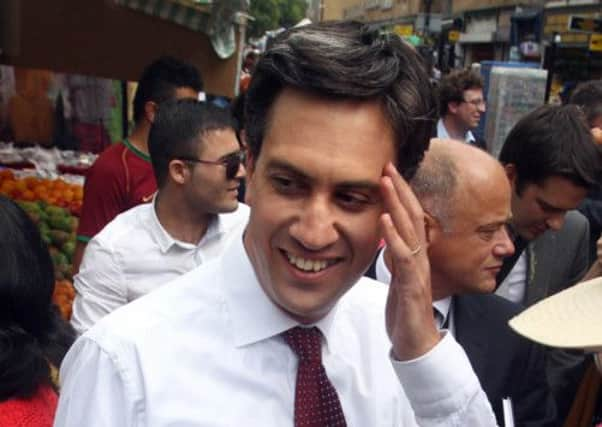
[(461, 104), (197, 163), (282, 329)]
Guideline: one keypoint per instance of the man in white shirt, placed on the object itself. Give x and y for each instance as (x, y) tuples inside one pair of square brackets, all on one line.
[(197, 163), (461, 104), (551, 162), (281, 329), (466, 198)]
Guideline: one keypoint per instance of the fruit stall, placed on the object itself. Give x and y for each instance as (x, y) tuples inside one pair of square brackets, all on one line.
[(53, 200)]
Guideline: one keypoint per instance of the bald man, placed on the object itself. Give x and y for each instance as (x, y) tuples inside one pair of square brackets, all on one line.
[(466, 198)]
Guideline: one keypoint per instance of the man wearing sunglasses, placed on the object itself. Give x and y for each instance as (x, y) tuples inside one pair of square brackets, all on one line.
[(461, 104), (198, 166)]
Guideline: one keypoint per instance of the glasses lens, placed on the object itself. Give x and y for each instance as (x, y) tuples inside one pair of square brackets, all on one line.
[(233, 164)]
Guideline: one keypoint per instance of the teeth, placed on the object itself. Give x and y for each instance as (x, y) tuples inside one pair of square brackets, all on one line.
[(307, 264)]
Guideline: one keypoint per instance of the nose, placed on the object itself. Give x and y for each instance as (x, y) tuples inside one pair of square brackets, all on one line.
[(315, 229), (482, 107), (556, 221), (504, 247)]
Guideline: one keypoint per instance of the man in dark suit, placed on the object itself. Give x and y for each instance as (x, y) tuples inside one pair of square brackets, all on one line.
[(466, 198), (551, 162)]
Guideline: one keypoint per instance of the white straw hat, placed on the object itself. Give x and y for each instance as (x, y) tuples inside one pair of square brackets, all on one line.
[(570, 319)]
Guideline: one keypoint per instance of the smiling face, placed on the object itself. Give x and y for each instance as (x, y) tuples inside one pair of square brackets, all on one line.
[(542, 207), (315, 200), (467, 253), (468, 113)]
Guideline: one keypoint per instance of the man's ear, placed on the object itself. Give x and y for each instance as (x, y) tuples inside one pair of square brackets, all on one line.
[(453, 107), (150, 111), (510, 170), (178, 171), (431, 228)]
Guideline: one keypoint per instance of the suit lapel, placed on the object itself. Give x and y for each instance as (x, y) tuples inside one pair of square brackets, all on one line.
[(471, 332), (540, 254)]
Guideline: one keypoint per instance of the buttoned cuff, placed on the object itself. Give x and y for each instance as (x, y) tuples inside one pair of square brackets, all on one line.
[(439, 382)]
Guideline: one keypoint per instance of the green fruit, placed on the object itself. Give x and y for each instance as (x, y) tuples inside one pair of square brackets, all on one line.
[(55, 211), (68, 249), (58, 237)]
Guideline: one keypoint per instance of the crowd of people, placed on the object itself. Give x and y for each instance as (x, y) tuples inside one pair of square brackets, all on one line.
[(368, 278)]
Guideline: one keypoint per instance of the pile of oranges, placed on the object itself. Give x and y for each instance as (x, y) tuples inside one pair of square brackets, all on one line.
[(55, 192), (63, 296)]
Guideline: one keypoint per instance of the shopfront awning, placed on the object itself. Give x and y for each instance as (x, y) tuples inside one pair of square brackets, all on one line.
[(214, 18)]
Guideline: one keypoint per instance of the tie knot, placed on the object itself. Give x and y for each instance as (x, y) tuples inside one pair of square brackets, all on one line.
[(305, 342)]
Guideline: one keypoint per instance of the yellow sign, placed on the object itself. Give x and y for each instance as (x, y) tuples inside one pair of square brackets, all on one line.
[(404, 30), (595, 43), (453, 36)]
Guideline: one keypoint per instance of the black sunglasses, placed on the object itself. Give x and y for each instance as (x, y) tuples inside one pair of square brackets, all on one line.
[(231, 162)]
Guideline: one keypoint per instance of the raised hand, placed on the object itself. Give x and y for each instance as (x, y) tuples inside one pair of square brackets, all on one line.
[(409, 312)]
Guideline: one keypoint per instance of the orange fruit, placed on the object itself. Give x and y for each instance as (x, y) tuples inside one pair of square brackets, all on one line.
[(28, 195)]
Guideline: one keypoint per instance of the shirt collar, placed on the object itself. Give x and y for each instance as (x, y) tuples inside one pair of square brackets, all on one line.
[(442, 133), (166, 241), (253, 314), (443, 307)]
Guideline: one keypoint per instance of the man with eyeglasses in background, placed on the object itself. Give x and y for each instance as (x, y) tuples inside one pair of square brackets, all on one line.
[(461, 105), (198, 165)]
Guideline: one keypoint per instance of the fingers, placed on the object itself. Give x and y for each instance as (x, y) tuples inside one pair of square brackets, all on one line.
[(404, 210)]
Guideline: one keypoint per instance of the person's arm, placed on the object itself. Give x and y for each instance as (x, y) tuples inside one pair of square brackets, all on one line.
[(100, 286), (434, 371), (78, 255), (88, 370), (104, 199)]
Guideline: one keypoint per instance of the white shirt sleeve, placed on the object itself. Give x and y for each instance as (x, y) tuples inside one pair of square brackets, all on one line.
[(100, 286), (96, 391), (442, 388)]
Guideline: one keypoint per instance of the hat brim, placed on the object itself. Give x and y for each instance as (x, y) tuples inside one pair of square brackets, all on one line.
[(570, 319)]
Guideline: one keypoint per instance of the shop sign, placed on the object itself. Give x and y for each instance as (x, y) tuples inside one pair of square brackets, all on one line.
[(453, 36), (404, 30), (595, 43), (585, 25)]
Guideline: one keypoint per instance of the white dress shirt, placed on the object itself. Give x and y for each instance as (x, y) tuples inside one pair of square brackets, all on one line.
[(513, 287), (207, 350), (442, 133), (133, 255)]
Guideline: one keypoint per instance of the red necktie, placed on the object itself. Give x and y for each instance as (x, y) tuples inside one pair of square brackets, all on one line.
[(316, 400)]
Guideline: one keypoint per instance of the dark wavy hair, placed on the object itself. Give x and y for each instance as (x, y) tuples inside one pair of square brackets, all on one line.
[(347, 60), (32, 333), (588, 96), (553, 141), (161, 78), (452, 87)]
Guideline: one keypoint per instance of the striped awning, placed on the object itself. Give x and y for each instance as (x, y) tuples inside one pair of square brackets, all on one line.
[(214, 18)]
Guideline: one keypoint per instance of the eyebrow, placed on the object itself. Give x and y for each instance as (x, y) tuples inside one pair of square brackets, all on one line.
[(285, 166), (548, 206)]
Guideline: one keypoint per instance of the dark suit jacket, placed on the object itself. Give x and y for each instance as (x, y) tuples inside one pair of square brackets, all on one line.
[(506, 364), (557, 260)]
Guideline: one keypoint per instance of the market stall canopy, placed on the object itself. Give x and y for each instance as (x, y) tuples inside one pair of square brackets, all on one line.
[(214, 18)]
